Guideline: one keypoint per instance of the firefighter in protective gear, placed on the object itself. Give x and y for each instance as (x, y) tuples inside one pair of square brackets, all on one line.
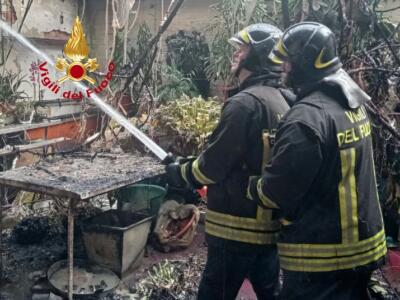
[(240, 234), (321, 175)]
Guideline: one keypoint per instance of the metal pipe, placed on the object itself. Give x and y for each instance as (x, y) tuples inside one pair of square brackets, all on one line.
[(71, 208)]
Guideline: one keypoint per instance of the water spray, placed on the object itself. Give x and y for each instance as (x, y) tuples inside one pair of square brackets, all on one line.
[(106, 108)]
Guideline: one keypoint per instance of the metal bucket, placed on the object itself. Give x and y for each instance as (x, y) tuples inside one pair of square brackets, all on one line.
[(89, 279), (141, 197), (116, 239)]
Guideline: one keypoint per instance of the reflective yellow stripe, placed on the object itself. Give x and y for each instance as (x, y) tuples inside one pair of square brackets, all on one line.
[(264, 224), (275, 59), (353, 196), (244, 36), (184, 172), (331, 250), (240, 235), (264, 199), (348, 197), (285, 222), (248, 193), (351, 252), (332, 264), (280, 48), (200, 177), (321, 65), (266, 149), (264, 215)]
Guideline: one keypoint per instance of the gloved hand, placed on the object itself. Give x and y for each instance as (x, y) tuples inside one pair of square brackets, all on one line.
[(173, 171), (173, 175), (171, 158)]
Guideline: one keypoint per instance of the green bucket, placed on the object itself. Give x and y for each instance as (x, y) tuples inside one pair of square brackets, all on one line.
[(141, 197)]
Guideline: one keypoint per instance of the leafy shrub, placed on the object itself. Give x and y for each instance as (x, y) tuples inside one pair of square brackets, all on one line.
[(176, 85), (189, 121), (188, 51)]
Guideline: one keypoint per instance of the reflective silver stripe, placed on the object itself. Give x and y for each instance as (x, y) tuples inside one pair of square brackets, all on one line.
[(184, 172), (260, 238), (333, 264), (331, 250), (264, 199), (262, 222), (348, 197), (200, 177)]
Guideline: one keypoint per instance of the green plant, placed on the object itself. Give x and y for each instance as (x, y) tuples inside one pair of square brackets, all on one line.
[(175, 86), (12, 98), (230, 17), (10, 84), (188, 51), (190, 121)]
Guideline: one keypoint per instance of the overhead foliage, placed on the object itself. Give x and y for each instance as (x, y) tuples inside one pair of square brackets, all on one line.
[(188, 51), (369, 47), (175, 85), (230, 17)]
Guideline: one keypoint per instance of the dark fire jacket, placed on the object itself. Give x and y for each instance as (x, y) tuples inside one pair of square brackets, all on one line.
[(237, 149), (322, 179)]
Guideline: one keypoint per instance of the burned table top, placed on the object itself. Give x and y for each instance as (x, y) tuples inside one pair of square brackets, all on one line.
[(82, 175)]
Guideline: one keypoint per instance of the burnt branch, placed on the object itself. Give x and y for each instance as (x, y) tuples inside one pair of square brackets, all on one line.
[(285, 13), (169, 16)]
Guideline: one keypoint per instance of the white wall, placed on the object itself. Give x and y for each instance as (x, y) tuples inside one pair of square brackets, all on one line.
[(193, 15), (44, 29)]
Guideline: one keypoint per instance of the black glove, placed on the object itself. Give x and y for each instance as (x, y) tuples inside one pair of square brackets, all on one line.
[(173, 175), (171, 158)]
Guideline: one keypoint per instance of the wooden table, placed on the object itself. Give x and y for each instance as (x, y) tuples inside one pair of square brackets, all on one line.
[(81, 176)]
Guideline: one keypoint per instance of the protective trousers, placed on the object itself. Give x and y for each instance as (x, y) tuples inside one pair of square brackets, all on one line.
[(339, 285), (226, 270)]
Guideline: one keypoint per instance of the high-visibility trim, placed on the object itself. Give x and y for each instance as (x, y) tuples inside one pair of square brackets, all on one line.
[(184, 172), (353, 196), (266, 149), (281, 49), (259, 238), (244, 35), (265, 215), (331, 250), (285, 222), (248, 192), (333, 264), (318, 64), (264, 199), (242, 222), (348, 197), (275, 59), (198, 175)]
